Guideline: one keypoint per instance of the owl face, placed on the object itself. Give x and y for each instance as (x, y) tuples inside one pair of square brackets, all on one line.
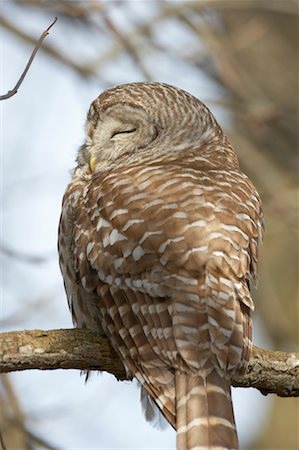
[(115, 133)]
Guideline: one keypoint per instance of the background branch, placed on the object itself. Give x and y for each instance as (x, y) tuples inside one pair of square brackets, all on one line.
[(84, 70), (268, 371)]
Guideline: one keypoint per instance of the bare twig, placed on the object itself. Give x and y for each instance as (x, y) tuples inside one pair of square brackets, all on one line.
[(268, 371), (35, 50), (37, 439), (3, 447), (23, 256), (15, 421), (84, 70), (128, 45), (12, 416), (284, 7)]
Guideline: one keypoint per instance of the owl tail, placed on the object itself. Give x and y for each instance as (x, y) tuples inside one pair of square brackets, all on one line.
[(204, 413)]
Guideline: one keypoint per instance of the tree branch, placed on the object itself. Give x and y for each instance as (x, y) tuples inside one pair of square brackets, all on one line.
[(84, 70), (58, 349), (268, 371), (35, 50)]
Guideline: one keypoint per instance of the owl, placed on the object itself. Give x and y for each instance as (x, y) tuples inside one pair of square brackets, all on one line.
[(158, 246)]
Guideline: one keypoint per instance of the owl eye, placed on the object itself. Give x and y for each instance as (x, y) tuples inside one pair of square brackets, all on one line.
[(122, 132)]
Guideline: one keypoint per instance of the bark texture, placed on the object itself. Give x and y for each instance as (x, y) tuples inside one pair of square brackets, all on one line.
[(269, 371)]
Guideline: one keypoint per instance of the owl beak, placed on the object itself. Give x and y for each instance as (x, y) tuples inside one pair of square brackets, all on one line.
[(92, 163)]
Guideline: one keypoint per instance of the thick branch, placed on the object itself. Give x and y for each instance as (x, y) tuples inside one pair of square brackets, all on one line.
[(58, 349), (268, 371)]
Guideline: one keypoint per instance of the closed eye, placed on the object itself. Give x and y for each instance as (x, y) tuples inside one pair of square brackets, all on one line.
[(122, 132)]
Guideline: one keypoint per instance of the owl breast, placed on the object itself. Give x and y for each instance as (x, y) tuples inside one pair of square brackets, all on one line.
[(165, 235)]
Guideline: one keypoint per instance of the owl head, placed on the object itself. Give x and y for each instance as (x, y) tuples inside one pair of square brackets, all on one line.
[(139, 119)]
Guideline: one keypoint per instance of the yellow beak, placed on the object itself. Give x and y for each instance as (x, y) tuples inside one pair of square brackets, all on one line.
[(92, 163)]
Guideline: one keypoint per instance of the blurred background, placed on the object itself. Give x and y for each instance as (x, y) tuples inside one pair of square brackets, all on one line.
[(241, 59)]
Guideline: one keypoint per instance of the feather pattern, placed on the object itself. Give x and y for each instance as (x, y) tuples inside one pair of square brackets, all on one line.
[(157, 248)]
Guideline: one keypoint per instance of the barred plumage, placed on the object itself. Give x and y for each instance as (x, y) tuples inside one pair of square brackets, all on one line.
[(158, 243)]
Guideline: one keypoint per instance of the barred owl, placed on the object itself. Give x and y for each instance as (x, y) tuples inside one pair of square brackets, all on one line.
[(158, 244)]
